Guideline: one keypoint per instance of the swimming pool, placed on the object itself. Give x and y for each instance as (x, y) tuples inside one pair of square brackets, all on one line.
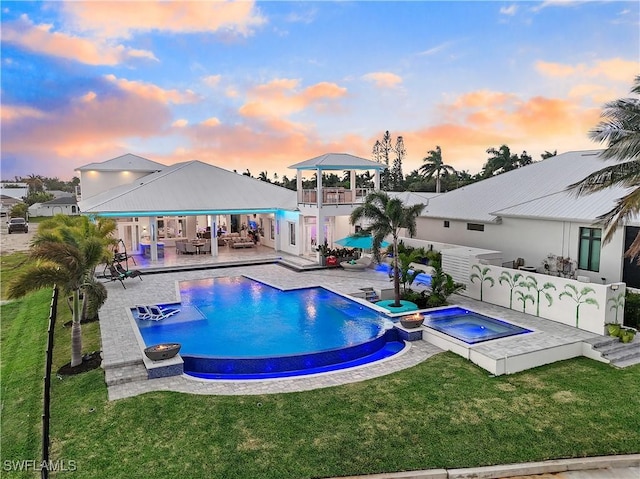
[(234, 327), (469, 326)]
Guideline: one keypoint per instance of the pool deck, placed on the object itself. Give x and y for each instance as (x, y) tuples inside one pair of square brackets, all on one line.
[(126, 374)]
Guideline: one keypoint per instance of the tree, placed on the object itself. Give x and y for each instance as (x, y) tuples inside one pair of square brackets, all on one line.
[(397, 177), (385, 152), (66, 252), (35, 183), (387, 216), (482, 275), (502, 160), (548, 154), (512, 282), (620, 130), (571, 292), (434, 166)]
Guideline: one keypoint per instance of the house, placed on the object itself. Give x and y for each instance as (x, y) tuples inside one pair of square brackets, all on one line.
[(153, 203), (65, 205), (6, 204), (14, 190), (527, 213)]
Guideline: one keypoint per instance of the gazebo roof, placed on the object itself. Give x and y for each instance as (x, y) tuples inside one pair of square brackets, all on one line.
[(338, 161)]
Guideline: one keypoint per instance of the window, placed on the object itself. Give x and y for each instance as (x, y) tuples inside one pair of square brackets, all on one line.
[(589, 249), (292, 234), (446, 223), (273, 229), (475, 227)]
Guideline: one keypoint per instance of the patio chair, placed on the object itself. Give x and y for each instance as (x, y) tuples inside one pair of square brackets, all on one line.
[(131, 273), (115, 275), (189, 248), (158, 313)]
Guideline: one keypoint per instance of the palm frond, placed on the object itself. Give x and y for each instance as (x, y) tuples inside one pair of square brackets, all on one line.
[(37, 276), (625, 174)]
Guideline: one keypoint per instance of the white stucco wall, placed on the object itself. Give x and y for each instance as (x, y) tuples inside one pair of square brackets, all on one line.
[(530, 239)]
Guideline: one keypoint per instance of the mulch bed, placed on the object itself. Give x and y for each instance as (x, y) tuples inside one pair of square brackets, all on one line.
[(90, 362)]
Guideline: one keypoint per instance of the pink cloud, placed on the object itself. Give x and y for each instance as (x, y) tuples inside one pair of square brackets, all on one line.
[(153, 92), (174, 16), (281, 97), (614, 69), (383, 79), (40, 39)]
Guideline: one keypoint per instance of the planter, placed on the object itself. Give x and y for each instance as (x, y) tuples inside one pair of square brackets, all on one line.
[(627, 335), (613, 329), (158, 352), (412, 322)]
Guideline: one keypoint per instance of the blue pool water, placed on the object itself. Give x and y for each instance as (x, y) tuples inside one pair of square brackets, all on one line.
[(469, 326), (237, 327)]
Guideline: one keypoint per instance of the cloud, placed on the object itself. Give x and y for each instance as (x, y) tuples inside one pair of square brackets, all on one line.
[(41, 39), (180, 123), (510, 10), (212, 80), (16, 112), (434, 50), (282, 97), (152, 92), (383, 79), (213, 121), (616, 69), (238, 17)]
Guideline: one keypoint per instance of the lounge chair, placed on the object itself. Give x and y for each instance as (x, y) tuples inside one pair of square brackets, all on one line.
[(358, 264), (143, 312), (131, 273), (115, 275), (161, 313)]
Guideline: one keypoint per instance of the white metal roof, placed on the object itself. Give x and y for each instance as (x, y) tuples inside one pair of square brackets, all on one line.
[(410, 198), (338, 161), (536, 190), (190, 188), (126, 162)]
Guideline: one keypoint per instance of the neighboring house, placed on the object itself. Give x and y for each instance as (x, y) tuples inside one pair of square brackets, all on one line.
[(65, 205), (14, 190), (159, 203), (527, 213), (6, 203), (60, 193)]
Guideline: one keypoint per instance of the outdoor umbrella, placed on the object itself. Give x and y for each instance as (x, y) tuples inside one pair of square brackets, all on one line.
[(364, 242)]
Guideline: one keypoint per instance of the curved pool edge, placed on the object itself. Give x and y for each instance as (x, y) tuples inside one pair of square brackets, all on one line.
[(379, 348)]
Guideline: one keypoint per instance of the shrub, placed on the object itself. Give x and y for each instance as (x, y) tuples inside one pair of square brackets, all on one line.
[(632, 310)]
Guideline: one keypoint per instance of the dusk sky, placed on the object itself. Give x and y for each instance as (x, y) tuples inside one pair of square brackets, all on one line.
[(264, 85)]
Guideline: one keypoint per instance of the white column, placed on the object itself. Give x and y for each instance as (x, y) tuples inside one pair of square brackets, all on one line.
[(352, 180), (153, 239), (376, 180), (214, 235), (299, 185), (319, 215)]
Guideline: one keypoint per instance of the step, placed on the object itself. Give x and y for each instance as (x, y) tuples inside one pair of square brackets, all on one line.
[(626, 362), (619, 346), (125, 374), (602, 342), (623, 354)]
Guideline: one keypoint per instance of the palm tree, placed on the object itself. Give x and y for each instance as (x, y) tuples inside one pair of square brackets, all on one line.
[(434, 166), (387, 216), (620, 129), (66, 256)]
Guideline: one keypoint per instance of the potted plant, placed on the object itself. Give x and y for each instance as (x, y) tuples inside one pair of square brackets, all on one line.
[(613, 329), (627, 335)]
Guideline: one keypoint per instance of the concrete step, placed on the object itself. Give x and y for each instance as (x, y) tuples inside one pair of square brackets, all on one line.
[(623, 351), (603, 342), (626, 362), (125, 374)]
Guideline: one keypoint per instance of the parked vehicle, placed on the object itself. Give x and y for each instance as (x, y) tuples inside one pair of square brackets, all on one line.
[(18, 224)]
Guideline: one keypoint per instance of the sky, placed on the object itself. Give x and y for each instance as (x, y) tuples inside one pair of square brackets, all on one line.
[(264, 85)]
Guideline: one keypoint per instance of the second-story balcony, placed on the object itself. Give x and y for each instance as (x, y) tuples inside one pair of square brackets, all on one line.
[(334, 196)]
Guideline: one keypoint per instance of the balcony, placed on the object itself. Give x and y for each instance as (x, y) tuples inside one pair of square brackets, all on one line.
[(334, 196)]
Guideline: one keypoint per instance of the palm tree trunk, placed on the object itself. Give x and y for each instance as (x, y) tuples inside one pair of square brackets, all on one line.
[(76, 332), (437, 183)]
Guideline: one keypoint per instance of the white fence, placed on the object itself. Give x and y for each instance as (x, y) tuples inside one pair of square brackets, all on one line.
[(587, 306)]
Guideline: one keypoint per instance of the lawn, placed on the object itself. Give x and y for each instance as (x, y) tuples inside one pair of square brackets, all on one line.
[(444, 412)]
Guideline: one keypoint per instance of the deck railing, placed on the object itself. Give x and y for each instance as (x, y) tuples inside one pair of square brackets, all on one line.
[(334, 196)]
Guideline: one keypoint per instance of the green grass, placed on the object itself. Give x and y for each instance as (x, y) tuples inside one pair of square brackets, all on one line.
[(10, 265), (444, 412)]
